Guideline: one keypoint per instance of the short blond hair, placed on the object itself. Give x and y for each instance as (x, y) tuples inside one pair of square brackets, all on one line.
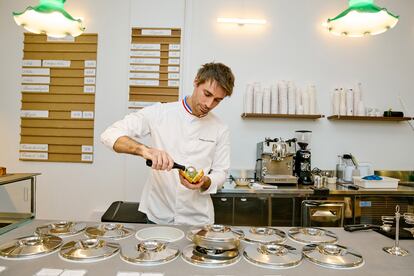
[(216, 71)]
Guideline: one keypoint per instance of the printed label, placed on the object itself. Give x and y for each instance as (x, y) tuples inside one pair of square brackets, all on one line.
[(145, 53), (174, 47), (174, 54), (89, 72), (89, 89), (144, 75), (173, 68), (76, 114), (34, 155), (36, 71), (87, 157), (145, 68), (34, 113), (31, 63), (67, 38), (87, 148), (145, 46), (146, 60), (173, 61), (141, 104), (35, 88), (173, 83), (144, 82), (56, 63), (34, 147), (87, 114), (90, 63), (36, 80), (89, 80), (173, 76), (156, 32)]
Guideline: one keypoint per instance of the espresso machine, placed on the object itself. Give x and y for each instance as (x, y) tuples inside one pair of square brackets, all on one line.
[(303, 168), (274, 161)]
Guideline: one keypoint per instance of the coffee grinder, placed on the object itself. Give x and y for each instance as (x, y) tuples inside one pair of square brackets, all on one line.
[(303, 157)]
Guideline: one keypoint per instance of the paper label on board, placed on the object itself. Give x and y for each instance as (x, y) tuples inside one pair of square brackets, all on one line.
[(87, 157), (34, 155), (173, 76), (173, 68), (87, 114), (36, 71), (156, 32), (35, 88), (141, 104), (56, 63), (87, 148), (145, 68), (174, 47), (145, 82), (67, 38), (145, 60), (173, 61), (137, 46), (173, 83), (145, 53), (34, 113), (36, 80), (34, 147), (75, 114), (89, 80), (32, 63), (174, 54), (89, 89), (89, 72), (144, 75), (90, 63)]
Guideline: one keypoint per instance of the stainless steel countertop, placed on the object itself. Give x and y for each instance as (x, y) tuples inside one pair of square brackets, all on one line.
[(14, 177), (405, 188), (367, 243)]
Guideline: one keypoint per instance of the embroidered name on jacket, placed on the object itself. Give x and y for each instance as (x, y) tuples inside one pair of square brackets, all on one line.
[(206, 140)]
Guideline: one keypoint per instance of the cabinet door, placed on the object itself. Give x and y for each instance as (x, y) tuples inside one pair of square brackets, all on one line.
[(223, 210), (251, 211), (283, 211)]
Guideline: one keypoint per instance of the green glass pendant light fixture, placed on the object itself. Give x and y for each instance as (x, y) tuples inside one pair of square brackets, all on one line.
[(362, 17), (51, 18)]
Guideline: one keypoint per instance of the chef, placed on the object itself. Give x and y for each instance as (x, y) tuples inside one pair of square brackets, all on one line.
[(185, 132)]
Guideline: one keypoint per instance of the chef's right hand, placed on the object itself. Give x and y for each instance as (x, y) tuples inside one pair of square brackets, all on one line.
[(160, 159)]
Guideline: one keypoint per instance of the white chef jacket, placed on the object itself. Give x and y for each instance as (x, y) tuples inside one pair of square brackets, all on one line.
[(203, 143)]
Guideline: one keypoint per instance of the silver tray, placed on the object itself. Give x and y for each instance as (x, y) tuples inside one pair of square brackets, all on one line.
[(264, 235), (150, 252), (88, 250), (209, 257), (61, 228), (30, 247), (273, 255), (109, 230), (309, 235)]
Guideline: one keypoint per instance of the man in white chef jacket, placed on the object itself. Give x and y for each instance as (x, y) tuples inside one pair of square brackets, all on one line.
[(185, 132)]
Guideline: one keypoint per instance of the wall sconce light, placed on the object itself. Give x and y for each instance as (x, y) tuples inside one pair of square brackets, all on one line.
[(51, 18), (362, 17), (241, 21)]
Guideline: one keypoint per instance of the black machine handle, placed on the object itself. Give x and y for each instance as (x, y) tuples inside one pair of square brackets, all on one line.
[(175, 166), (358, 227)]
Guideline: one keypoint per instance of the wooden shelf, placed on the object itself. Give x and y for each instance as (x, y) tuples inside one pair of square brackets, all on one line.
[(368, 118), (282, 116)]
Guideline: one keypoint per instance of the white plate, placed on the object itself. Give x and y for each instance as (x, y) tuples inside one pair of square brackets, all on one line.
[(161, 233)]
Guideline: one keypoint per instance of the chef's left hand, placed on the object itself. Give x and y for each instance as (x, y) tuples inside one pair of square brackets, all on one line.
[(203, 184)]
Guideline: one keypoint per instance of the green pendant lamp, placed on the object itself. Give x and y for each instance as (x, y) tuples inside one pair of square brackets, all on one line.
[(362, 17), (50, 18)]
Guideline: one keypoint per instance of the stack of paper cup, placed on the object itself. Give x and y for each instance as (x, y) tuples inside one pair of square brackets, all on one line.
[(274, 99), (248, 99), (312, 99), (298, 103), (305, 102), (357, 99), (291, 98), (336, 101), (342, 104), (266, 100), (350, 102), (258, 98), (283, 98)]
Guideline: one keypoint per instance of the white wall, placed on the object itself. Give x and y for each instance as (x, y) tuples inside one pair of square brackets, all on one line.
[(292, 45)]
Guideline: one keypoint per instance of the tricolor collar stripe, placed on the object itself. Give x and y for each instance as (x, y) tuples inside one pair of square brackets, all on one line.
[(186, 106)]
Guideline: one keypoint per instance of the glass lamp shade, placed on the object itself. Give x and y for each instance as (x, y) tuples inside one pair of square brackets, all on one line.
[(50, 18), (362, 17)]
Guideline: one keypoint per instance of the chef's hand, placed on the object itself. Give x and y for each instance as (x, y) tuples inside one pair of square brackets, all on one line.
[(160, 159), (203, 184)]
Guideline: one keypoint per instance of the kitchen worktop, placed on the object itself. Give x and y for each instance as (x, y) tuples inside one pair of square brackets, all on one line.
[(405, 188), (367, 243)]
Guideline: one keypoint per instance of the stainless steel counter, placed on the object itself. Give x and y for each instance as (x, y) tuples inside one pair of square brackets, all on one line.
[(369, 244), (405, 188)]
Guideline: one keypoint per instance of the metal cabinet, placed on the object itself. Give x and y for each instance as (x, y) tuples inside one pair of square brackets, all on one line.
[(283, 211), (223, 209), (251, 211)]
